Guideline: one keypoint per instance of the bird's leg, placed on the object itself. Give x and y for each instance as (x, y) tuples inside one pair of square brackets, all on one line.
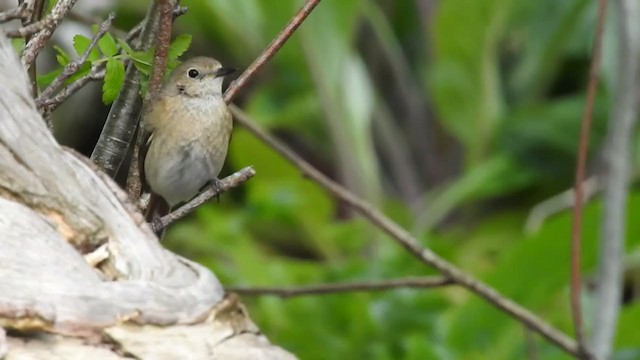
[(215, 186)]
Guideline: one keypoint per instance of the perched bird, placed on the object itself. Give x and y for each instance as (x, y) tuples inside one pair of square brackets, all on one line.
[(189, 127)]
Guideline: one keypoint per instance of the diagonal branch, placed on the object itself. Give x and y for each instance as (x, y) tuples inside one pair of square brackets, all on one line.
[(271, 50), (410, 243), (346, 287), (225, 184)]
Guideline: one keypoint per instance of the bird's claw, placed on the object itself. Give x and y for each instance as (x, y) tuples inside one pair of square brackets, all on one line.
[(217, 188)]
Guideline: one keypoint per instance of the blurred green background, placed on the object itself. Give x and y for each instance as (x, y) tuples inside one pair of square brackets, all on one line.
[(457, 117)]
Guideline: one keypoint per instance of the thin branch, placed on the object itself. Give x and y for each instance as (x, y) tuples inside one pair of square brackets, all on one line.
[(576, 230), (347, 287), (271, 50), (410, 243), (225, 184), (97, 73), (51, 22), (72, 67), (617, 155), (20, 12)]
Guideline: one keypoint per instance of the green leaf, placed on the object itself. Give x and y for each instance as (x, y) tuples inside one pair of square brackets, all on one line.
[(18, 44), (46, 79), (108, 45), (62, 57), (142, 60), (81, 44), (125, 47), (113, 79), (179, 45)]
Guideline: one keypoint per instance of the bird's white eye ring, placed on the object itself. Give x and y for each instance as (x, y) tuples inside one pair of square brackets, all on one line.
[(193, 73)]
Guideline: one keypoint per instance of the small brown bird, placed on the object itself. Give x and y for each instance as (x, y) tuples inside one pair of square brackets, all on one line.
[(190, 127)]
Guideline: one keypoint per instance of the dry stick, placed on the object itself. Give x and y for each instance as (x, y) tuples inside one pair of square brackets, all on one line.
[(51, 22), (347, 287), (225, 184), (271, 50), (406, 240), (135, 31), (576, 229), (74, 65)]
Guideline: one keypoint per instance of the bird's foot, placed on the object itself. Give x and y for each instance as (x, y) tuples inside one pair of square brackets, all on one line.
[(216, 187)]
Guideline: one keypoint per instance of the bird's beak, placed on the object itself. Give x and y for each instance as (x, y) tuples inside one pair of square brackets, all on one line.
[(223, 71)]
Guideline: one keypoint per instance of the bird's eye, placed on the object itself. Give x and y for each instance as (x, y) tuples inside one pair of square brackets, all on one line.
[(193, 73)]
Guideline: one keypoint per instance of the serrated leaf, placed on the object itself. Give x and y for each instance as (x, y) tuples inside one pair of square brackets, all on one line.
[(81, 44), (62, 57), (46, 79), (113, 80), (142, 60), (178, 46), (108, 45)]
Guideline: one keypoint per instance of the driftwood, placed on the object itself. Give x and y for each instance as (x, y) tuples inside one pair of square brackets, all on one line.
[(82, 276)]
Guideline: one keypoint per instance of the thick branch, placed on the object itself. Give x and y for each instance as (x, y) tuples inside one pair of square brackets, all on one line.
[(347, 287)]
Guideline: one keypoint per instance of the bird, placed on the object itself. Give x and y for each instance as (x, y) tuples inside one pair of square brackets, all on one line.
[(188, 128)]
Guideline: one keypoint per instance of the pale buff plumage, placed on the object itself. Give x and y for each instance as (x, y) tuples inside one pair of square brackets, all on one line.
[(190, 127)]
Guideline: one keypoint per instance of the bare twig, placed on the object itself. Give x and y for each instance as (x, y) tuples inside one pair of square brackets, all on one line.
[(20, 12), (406, 240), (617, 160), (576, 230), (97, 73), (271, 50), (72, 67), (225, 184), (347, 287), (49, 25)]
